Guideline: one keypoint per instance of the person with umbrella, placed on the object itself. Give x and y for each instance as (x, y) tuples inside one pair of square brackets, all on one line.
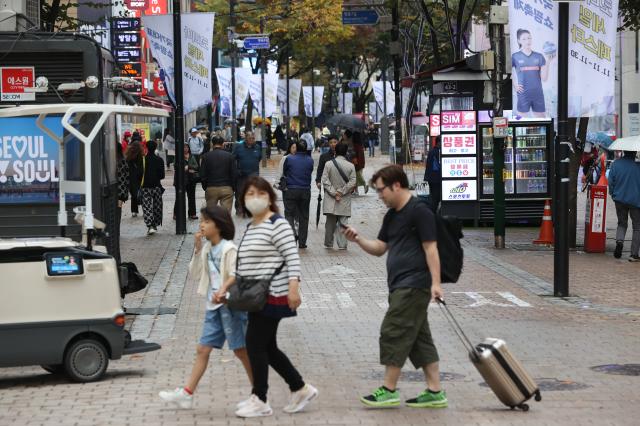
[(338, 181), (624, 185), (356, 156)]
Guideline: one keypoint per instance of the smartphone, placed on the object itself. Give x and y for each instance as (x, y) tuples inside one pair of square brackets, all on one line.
[(343, 226)]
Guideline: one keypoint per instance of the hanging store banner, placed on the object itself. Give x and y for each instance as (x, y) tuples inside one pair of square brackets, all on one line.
[(159, 31), (379, 92), (197, 47), (534, 64), (243, 78), (308, 96), (592, 54)]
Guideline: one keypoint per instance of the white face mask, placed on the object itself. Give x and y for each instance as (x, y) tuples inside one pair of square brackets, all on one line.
[(256, 205)]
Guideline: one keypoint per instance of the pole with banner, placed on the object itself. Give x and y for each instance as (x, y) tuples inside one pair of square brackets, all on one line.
[(181, 214)]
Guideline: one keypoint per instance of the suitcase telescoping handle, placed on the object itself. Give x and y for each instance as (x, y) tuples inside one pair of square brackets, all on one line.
[(455, 326)]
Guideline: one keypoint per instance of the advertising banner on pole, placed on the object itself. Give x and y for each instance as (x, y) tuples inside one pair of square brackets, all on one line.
[(243, 76), (159, 30), (378, 92), (270, 93), (255, 91), (347, 97), (307, 98), (374, 111), (197, 47), (282, 96), (534, 64), (295, 87), (592, 55)]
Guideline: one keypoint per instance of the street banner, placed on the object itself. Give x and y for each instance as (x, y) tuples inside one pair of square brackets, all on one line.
[(347, 97), (308, 97), (159, 30), (242, 76), (255, 92), (406, 91), (270, 93), (592, 42), (534, 65), (282, 96), (374, 112), (295, 87), (197, 47), (379, 91)]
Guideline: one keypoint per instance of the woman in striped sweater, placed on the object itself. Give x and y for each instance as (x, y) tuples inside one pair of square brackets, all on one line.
[(267, 248)]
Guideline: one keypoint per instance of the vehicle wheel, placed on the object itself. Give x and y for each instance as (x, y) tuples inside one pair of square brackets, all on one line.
[(54, 368), (127, 338), (86, 360)]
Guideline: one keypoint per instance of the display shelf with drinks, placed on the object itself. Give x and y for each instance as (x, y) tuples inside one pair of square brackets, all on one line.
[(531, 167), (487, 162)]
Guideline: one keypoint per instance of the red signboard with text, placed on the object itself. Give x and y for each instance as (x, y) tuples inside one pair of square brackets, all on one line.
[(456, 121), (13, 82), (434, 125), (156, 7)]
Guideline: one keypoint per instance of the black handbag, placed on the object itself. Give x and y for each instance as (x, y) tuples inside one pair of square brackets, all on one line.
[(139, 194), (249, 294), (131, 280)]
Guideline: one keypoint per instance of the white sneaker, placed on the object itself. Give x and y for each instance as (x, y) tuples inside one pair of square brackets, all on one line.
[(300, 399), (179, 397), (255, 408), (245, 402), (151, 231)]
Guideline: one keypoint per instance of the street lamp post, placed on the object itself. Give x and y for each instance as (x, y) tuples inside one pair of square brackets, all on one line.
[(234, 53), (288, 121), (181, 217), (263, 59)]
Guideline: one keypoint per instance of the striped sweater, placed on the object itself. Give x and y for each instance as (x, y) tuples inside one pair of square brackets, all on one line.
[(263, 249)]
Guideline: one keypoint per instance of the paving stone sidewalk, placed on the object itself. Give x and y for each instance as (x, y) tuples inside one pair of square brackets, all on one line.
[(334, 339)]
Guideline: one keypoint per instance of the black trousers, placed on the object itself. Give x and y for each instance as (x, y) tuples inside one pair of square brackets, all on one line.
[(262, 347), (435, 190), (133, 191), (296, 207)]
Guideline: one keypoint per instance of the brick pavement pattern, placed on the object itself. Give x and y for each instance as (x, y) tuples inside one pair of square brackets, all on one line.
[(334, 339)]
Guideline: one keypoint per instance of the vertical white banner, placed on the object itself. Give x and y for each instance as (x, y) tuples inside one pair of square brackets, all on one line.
[(197, 47), (159, 30), (348, 103), (243, 78), (534, 45), (373, 111), (282, 96), (295, 87), (255, 91), (592, 55), (406, 91), (224, 86), (270, 93), (308, 97), (379, 92)]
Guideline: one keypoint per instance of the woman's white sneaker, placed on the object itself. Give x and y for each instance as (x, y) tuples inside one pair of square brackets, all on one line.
[(255, 408), (300, 399), (179, 397), (245, 402)]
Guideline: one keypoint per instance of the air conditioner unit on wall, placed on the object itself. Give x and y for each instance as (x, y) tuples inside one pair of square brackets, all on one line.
[(14, 12)]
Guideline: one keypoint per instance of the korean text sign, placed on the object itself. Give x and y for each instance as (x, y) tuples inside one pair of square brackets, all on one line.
[(13, 82), (459, 190), (457, 121), (456, 144), (460, 167)]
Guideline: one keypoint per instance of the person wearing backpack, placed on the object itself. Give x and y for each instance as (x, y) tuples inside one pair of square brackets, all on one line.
[(409, 236), (433, 174)]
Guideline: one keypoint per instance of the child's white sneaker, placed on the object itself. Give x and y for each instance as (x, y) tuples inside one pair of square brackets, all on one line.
[(179, 397), (255, 408), (300, 399)]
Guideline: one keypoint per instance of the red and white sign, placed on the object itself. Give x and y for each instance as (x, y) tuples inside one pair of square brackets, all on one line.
[(156, 7), (455, 121), (13, 81), (460, 167), (459, 190), (158, 87), (434, 125), (136, 4), (456, 144)]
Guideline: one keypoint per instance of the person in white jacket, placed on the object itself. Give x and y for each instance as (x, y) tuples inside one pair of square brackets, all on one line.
[(213, 264)]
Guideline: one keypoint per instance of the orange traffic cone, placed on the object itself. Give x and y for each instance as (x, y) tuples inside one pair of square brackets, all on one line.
[(546, 229)]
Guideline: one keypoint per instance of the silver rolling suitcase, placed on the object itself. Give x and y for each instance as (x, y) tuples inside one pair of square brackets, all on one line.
[(502, 372)]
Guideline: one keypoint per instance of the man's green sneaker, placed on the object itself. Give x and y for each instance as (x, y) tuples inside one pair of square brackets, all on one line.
[(429, 400), (382, 398)]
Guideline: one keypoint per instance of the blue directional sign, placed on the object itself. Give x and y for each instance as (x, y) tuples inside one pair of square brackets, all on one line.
[(360, 17), (253, 43), (354, 84)]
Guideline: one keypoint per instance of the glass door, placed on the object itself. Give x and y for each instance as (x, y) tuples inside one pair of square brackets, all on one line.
[(487, 162), (532, 160)]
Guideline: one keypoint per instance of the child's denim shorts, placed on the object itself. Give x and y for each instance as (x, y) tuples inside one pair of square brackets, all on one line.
[(224, 324)]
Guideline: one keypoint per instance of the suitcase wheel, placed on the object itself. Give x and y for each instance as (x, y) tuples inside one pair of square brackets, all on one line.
[(538, 396), (524, 407)]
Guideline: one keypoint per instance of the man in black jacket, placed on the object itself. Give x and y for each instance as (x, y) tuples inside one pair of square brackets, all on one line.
[(218, 175), (327, 156)]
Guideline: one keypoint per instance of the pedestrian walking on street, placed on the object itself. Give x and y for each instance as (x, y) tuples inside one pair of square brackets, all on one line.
[(191, 179), (358, 160), (338, 180), (126, 140), (324, 157), (212, 265), (281, 139), (624, 185), (307, 137), (133, 156), (196, 144), (247, 155), (409, 236), (218, 175), (169, 147), (122, 177), (297, 170), (280, 182), (151, 187), (372, 139), (268, 249), (433, 175)]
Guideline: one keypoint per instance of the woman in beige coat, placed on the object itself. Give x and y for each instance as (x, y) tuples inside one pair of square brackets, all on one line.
[(339, 181)]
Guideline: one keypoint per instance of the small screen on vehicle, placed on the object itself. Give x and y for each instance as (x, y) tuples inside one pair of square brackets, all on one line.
[(63, 264)]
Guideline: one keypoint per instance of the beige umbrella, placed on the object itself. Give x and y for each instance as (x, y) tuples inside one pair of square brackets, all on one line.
[(631, 143)]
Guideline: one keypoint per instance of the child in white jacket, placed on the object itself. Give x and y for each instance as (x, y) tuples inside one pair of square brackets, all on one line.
[(213, 264)]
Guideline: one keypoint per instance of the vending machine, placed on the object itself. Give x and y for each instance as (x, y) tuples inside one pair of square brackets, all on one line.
[(527, 170)]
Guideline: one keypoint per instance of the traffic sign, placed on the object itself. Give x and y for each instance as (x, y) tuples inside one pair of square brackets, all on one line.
[(260, 42), (354, 84), (14, 81), (360, 17)]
